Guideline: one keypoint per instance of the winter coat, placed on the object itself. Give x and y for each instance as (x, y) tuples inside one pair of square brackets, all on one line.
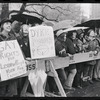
[(61, 48), (24, 44), (93, 46), (70, 46)]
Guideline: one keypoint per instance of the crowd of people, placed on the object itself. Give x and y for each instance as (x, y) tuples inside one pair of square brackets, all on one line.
[(66, 44)]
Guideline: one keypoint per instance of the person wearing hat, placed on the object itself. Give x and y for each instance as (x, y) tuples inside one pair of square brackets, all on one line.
[(6, 29), (9, 87), (62, 51), (93, 47)]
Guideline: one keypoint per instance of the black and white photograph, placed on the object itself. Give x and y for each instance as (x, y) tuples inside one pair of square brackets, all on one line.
[(53, 49)]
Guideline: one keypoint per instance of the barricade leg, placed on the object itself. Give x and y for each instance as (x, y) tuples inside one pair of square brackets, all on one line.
[(40, 65), (59, 85)]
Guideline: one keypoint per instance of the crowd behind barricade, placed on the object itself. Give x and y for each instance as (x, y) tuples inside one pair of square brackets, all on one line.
[(66, 44)]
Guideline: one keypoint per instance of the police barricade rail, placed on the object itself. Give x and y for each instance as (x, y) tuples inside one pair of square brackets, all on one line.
[(56, 63), (61, 62)]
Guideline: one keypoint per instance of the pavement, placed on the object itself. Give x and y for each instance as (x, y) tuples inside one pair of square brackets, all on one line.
[(92, 90)]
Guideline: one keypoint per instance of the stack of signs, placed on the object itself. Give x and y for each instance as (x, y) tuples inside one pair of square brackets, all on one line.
[(12, 63), (41, 42)]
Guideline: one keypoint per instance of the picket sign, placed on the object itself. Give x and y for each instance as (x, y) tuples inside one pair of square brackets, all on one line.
[(41, 42), (12, 63)]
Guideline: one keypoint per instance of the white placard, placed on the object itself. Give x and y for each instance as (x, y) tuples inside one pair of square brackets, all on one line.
[(12, 63), (41, 42)]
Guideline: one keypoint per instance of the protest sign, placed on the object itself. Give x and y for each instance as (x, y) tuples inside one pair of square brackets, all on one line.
[(41, 42), (12, 63)]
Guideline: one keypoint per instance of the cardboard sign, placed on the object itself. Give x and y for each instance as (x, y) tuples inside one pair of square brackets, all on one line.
[(12, 63), (41, 42)]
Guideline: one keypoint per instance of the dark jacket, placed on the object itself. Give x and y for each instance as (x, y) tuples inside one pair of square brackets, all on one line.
[(61, 48), (24, 44), (70, 46), (92, 46), (4, 38)]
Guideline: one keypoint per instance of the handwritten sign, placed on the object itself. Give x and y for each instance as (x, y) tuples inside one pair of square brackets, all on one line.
[(12, 63), (41, 42)]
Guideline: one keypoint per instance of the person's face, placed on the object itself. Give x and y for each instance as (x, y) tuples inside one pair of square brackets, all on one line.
[(64, 37), (91, 35), (7, 26), (81, 35), (74, 35), (25, 30)]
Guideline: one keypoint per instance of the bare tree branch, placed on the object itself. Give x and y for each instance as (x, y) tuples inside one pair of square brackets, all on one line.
[(39, 15), (58, 8)]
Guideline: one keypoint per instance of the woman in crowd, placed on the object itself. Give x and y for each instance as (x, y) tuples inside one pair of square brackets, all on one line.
[(81, 44), (9, 87), (71, 70), (24, 41), (96, 74), (93, 47), (60, 48), (25, 47)]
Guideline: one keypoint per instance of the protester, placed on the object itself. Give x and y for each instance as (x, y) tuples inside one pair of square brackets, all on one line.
[(60, 48), (16, 26), (93, 47), (82, 45), (96, 74), (78, 45), (24, 41), (25, 47), (9, 87), (71, 70)]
